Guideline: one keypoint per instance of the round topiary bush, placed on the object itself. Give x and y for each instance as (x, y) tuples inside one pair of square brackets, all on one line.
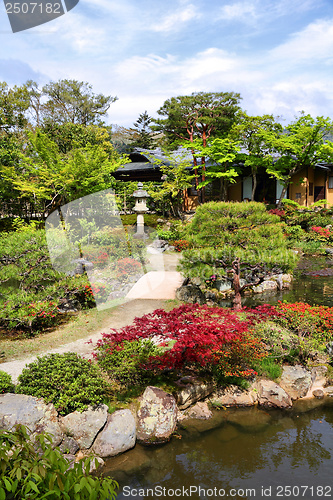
[(6, 384), (66, 380)]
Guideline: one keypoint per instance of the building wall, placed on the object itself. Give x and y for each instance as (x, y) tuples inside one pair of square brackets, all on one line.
[(298, 188), (235, 192)]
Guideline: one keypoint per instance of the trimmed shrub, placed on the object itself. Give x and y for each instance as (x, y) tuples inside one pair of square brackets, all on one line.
[(27, 472), (6, 384), (66, 380)]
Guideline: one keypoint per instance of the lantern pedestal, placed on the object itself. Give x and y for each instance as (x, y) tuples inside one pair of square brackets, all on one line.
[(140, 208)]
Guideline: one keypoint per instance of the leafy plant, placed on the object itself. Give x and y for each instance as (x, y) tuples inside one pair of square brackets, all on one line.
[(6, 384), (125, 362), (191, 337), (66, 380), (26, 472)]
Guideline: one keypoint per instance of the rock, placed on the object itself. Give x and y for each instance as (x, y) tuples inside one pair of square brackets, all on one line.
[(271, 395), (318, 379), (233, 396), (200, 411), (329, 349), (82, 265), (265, 286), (318, 393), (83, 427), (31, 412), (223, 285), (117, 436), (284, 281), (328, 391), (296, 381), (192, 390), (191, 294), (157, 416), (329, 251), (70, 459), (69, 446)]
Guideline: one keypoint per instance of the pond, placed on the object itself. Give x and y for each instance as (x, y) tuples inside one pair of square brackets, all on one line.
[(250, 453), (245, 453)]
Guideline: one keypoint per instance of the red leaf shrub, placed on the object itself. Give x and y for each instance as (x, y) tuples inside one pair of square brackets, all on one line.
[(321, 231), (193, 336)]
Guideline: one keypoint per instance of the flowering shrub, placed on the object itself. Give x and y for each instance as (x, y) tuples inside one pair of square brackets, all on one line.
[(127, 267), (308, 321), (30, 316), (180, 245), (322, 233), (100, 258), (215, 340)]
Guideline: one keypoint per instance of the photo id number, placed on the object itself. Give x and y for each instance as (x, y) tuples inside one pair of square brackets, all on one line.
[(33, 7)]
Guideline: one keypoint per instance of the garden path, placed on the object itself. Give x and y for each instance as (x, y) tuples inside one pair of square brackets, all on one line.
[(150, 294)]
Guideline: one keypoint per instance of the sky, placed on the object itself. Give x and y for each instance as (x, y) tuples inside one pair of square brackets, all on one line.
[(278, 54)]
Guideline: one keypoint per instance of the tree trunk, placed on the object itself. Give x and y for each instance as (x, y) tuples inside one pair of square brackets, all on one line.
[(254, 185), (284, 190), (236, 285)]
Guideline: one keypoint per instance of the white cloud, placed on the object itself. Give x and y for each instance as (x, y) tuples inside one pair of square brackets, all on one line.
[(314, 43), (255, 11), (176, 20)]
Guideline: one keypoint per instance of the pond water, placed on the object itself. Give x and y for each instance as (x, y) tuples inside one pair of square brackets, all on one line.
[(244, 453), (250, 453)]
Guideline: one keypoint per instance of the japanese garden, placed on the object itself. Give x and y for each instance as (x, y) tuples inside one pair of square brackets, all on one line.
[(243, 205)]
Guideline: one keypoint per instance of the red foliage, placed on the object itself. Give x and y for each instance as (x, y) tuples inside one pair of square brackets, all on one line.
[(200, 336), (277, 211), (322, 231), (180, 245), (301, 315), (127, 267)]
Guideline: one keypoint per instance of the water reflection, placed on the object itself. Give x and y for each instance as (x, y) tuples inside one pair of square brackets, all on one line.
[(249, 449)]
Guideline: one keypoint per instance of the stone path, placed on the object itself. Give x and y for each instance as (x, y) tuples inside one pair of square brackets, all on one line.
[(148, 294)]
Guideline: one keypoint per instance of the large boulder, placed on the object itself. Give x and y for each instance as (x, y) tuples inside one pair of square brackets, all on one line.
[(83, 427), (31, 412), (318, 380), (157, 416), (191, 294), (271, 395), (192, 389), (233, 396), (265, 286), (296, 381), (117, 436)]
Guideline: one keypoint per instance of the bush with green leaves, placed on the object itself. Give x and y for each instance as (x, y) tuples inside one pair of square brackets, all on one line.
[(236, 240), (30, 287), (27, 471), (6, 384), (126, 364), (66, 380)]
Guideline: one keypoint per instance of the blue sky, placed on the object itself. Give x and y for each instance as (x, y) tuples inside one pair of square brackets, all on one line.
[(278, 54)]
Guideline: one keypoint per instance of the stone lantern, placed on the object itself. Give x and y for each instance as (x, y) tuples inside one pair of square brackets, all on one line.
[(140, 208)]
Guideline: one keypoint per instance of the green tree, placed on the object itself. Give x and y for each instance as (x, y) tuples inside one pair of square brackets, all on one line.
[(301, 144), (234, 241), (221, 155), (248, 131), (177, 177), (50, 179), (144, 137), (68, 101), (201, 115)]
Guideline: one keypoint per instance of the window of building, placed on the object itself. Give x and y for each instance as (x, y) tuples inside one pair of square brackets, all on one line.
[(298, 196), (310, 188), (330, 182)]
